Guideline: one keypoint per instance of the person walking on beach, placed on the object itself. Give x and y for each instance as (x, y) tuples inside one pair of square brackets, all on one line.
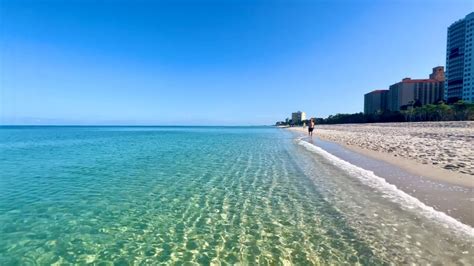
[(311, 127)]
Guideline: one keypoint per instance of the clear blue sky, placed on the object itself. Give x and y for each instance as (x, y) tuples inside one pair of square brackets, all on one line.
[(210, 62)]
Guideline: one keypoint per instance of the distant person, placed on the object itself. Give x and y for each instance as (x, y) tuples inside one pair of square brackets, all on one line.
[(311, 127)]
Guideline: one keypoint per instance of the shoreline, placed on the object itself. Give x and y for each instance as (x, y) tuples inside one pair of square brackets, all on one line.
[(433, 186), (410, 165)]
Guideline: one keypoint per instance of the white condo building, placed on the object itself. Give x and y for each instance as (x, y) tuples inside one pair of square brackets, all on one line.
[(298, 117), (459, 61)]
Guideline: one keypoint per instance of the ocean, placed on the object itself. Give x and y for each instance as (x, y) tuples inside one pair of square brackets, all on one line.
[(205, 195)]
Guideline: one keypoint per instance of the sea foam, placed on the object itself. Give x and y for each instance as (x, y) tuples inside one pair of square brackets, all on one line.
[(390, 191)]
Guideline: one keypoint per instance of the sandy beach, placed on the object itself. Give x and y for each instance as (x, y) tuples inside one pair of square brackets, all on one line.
[(438, 150)]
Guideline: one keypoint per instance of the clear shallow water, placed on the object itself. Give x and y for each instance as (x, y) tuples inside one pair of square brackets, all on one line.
[(205, 195)]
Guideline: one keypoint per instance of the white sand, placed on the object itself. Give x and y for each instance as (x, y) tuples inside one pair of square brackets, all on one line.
[(442, 145)]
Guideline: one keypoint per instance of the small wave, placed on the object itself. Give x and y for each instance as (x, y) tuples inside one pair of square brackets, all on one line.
[(390, 191)]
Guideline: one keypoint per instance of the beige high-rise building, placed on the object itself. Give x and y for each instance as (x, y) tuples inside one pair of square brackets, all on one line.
[(298, 117), (438, 73), (408, 91)]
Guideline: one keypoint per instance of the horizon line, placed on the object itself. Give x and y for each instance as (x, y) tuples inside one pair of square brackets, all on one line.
[(126, 125)]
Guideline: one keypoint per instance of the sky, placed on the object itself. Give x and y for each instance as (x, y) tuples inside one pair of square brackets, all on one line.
[(210, 62)]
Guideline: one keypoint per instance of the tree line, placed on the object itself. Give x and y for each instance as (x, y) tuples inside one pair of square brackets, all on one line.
[(459, 111)]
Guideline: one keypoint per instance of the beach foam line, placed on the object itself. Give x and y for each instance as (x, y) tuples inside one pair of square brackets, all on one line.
[(390, 191)]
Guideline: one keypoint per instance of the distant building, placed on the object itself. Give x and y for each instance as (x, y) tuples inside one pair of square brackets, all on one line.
[(298, 117), (438, 73), (408, 91), (459, 60), (375, 101), (429, 92), (401, 93)]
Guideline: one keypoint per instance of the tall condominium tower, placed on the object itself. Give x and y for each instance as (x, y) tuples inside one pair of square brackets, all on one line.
[(459, 58), (298, 117)]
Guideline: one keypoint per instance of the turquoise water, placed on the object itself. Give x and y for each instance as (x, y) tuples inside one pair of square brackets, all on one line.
[(203, 195)]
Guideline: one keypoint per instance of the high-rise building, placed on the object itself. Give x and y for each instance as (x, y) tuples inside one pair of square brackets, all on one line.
[(375, 101), (429, 92), (459, 59), (408, 91), (401, 94), (438, 73), (298, 117)]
